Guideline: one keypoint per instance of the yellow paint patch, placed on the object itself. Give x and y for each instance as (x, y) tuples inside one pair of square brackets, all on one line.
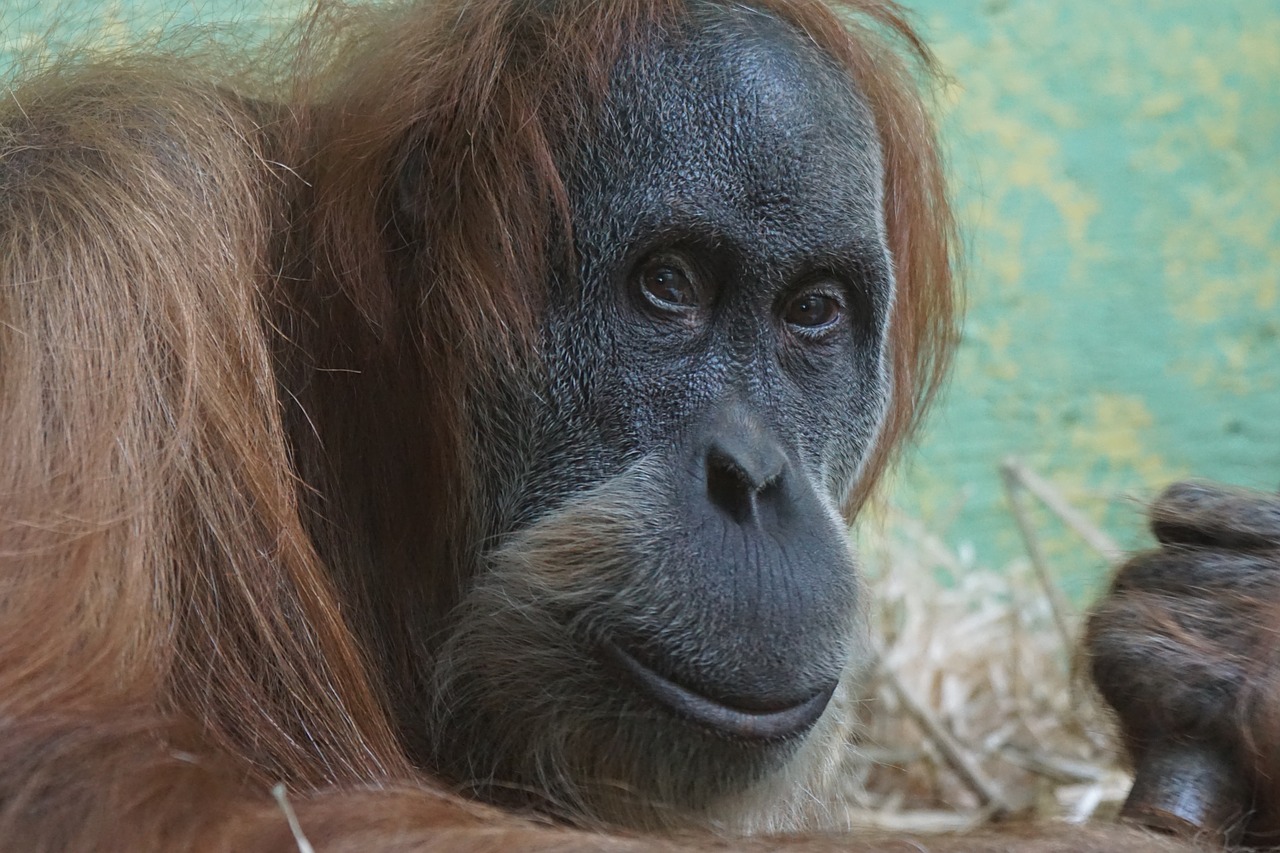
[(1118, 431)]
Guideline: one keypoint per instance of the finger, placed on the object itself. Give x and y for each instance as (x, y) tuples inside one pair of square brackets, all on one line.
[(1202, 573), (1207, 515), (1156, 675)]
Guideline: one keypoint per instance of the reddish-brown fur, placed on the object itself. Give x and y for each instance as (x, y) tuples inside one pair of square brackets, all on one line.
[(183, 274)]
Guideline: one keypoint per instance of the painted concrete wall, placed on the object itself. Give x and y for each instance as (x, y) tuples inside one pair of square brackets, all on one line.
[(1117, 167), (1117, 171)]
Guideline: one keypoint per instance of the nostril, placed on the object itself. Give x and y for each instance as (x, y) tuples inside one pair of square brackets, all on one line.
[(736, 486), (729, 487)]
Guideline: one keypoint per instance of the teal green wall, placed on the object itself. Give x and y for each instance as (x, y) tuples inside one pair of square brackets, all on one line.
[(1117, 172)]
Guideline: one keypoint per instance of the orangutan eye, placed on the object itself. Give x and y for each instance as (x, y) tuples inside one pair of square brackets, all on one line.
[(812, 311), (668, 287)]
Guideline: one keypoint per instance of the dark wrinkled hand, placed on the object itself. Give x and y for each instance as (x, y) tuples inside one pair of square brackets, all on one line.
[(1184, 646)]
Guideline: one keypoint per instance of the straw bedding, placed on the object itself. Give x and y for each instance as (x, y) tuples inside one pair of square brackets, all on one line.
[(977, 710)]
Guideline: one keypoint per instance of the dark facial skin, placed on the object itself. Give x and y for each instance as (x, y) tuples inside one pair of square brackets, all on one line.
[(734, 279), (724, 332)]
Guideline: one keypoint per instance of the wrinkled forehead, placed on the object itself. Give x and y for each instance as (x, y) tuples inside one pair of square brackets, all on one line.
[(739, 108)]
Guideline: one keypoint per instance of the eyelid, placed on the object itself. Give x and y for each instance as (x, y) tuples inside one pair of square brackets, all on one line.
[(825, 287), (830, 286), (667, 258), (672, 260)]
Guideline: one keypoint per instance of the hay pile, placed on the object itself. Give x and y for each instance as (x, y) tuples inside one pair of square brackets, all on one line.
[(976, 710)]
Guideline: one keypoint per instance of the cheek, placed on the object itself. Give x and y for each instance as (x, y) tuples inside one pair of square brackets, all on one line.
[(841, 429), (534, 438), (641, 390), (559, 427)]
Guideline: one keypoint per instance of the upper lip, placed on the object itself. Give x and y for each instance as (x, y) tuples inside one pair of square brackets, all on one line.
[(748, 724)]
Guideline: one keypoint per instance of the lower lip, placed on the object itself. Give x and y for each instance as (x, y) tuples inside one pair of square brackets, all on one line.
[(734, 722)]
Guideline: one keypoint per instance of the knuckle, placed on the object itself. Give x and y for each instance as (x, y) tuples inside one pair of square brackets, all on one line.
[(1207, 574)]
